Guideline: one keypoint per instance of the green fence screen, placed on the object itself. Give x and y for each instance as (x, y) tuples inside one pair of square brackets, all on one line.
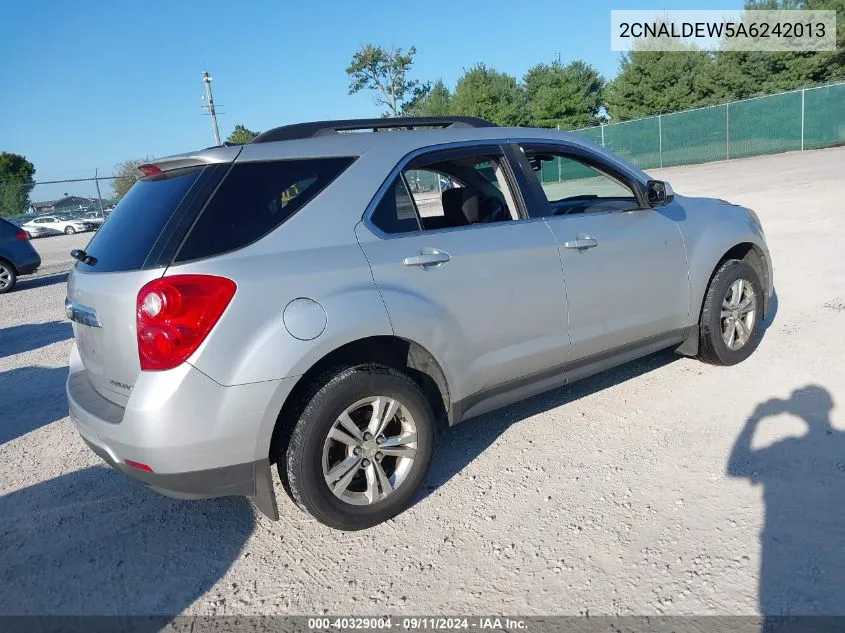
[(802, 119)]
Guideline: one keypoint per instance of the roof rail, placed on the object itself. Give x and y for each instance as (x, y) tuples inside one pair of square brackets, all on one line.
[(322, 128)]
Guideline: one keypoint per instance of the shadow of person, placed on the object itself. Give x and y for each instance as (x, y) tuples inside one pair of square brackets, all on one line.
[(94, 542), (802, 569)]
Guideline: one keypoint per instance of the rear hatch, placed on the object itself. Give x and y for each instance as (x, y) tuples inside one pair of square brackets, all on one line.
[(133, 247)]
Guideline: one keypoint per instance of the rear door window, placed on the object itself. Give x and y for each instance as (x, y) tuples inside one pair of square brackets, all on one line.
[(254, 199), (127, 239)]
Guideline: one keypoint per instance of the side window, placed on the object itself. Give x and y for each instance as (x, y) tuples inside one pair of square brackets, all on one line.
[(255, 198), (395, 212), (573, 186), (461, 190)]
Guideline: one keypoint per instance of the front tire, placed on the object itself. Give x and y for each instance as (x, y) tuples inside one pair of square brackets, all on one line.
[(731, 316), (8, 276), (360, 450), (69, 230)]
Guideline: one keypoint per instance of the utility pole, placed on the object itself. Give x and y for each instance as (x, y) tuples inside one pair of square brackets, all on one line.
[(207, 79)]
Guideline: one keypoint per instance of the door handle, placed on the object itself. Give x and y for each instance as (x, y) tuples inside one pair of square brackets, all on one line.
[(583, 241), (427, 257)]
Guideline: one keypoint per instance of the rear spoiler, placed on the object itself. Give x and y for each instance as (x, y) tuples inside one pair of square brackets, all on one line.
[(211, 156)]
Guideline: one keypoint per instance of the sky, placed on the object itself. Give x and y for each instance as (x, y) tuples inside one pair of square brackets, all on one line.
[(85, 85)]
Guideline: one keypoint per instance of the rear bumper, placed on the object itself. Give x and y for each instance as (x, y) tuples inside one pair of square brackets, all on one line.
[(24, 257), (237, 480), (199, 438)]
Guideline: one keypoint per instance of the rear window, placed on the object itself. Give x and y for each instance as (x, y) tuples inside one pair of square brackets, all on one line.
[(254, 199), (125, 241)]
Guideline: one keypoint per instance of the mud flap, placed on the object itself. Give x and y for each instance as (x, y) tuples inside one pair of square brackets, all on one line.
[(689, 347), (264, 498)]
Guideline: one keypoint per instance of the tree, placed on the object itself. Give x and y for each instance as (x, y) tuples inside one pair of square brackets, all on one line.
[(385, 72), (492, 95), (437, 101), (241, 135), (568, 96), (743, 74), (126, 173), (650, 82), (17, 178)]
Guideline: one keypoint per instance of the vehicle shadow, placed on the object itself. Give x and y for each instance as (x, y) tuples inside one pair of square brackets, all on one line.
[(32, 397), (25, 283), (29, 336), (94, 542), (458, 446), (802, 568)]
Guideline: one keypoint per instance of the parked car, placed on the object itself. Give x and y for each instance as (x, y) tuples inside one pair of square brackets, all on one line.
[(293, 302), (94, 219), (57, 224), (33, 230), (17, 257)]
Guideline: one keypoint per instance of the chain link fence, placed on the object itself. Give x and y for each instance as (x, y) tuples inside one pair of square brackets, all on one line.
[(809, 118), (67, 198)]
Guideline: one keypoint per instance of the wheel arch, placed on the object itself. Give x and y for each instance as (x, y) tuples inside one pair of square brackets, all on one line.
[(754, 256), (11, 264), (393, 351), (749, 252)]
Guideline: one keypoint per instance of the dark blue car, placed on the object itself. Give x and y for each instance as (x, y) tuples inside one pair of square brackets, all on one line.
[(17, 257)]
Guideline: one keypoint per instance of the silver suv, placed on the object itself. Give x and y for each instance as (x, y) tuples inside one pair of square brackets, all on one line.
[(322, 297)]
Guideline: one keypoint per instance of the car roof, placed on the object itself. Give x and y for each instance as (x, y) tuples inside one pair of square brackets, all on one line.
[(327, 142)]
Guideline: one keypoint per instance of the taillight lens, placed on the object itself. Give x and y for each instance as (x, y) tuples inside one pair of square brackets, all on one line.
[(22, 235), (150, 170), (175, 314)]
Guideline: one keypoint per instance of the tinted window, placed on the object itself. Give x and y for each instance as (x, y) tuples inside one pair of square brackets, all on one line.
[(395, 213), (125, 241), (254, 199)]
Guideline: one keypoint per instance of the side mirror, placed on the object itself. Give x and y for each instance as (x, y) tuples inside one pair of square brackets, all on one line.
[(659, 193)]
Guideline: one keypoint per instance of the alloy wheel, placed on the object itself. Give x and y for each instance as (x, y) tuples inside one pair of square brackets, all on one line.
[(369, 450), (739, 307)]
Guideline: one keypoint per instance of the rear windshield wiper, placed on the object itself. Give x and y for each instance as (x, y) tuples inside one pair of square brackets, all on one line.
[(85, 258)]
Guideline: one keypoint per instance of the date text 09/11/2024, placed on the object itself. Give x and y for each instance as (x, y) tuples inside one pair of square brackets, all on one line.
[(418, 623)]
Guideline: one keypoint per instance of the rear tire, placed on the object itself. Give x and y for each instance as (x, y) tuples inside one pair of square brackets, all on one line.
[(731, 315), (362, 478), (8, 276)]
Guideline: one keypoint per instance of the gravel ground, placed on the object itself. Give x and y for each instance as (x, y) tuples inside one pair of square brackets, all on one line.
[(645, 490)]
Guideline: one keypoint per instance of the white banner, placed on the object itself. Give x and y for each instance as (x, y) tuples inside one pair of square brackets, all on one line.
[(735, 30)]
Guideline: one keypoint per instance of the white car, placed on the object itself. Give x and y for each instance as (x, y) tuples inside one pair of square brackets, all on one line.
[(95, 218), (55, 223)]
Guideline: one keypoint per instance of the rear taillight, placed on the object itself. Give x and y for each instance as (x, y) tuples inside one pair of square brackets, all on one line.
[(175, 314), (22, 235)]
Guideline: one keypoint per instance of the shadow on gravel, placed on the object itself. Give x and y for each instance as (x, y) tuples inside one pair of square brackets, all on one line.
[(458, 446), (802, 563), (96, 542), (25, 338), (25, 283), (30, 397)]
